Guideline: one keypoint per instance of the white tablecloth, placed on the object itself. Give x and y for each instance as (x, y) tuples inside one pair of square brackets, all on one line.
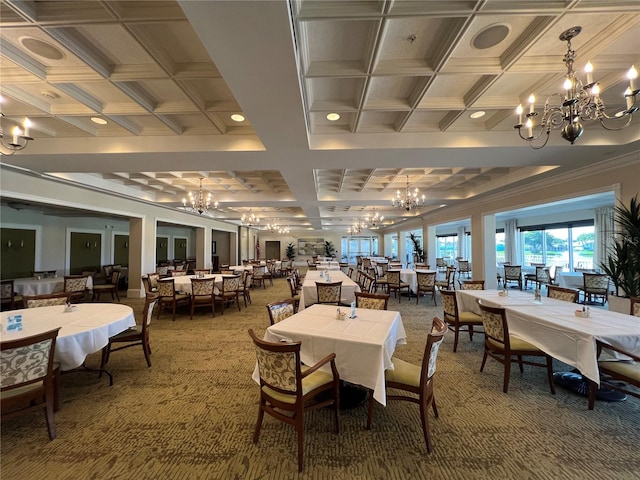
[(409, 276), (552, 326), (363, 345), (330, 265), (44, 286), (309, 294), (84, 331), (182, 284), (570, 279)]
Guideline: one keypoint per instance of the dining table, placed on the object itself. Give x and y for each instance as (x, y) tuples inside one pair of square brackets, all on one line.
[(85, 329), (182, 284), (408, 275), (573, 280), (558, 327), (42, 286), (363, 345), (309, 294)]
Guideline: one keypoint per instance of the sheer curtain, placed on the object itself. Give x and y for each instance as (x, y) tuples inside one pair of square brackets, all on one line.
[(462, 243), (511, 243), (604, 226)]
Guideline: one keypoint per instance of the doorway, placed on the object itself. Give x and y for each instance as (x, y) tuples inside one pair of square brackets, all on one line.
[(272, 249)]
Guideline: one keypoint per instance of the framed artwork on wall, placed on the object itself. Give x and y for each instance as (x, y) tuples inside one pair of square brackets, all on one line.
[(311, 246)]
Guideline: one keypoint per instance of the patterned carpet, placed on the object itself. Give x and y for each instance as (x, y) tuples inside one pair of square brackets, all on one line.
[(191, 416)]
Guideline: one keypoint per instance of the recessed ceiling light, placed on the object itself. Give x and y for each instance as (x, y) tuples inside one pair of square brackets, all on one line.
[(332, 117), (236, 117), (44, 49), (478, 114), (98, 120)]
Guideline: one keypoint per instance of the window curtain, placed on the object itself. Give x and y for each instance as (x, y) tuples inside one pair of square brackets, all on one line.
[(462, 243), (511, 243), (604, 225)]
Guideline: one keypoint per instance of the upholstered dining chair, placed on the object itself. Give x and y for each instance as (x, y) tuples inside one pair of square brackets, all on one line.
[(162, 270), (513, 273), (294, 291), (152, 283), (110, 287), (472, 285), (456, 320), (259, 275), (448, 283), (395, 284), (287, 392), (416, 380), (138, 335), (48, 300), (229, 291), (617, 375), (562, 293), (281, 309), (177, 273), (464, 267), (168, 296), (202, 294), (595, 287), (28, 379), (540, 278), (441, 265), (245, 286), (201, 271), (8, 295), (426, 285), (506, 349), (635, 306), (76, 287), (373, 301), (329, 292)]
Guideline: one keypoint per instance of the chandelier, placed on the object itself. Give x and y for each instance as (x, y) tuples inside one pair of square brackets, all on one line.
[(578, 103), (19, 137), (250, 220), (409, 199), (199, 202), (274, 227), (375, 219), (356, 228)]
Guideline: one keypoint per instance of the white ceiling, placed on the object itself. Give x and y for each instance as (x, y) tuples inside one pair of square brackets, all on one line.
[(403, 75)]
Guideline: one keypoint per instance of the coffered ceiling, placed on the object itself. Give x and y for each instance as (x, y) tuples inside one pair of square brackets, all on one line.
[(403, 76)]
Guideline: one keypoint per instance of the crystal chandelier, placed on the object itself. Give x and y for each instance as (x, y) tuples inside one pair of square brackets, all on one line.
[(375, 219), (578, 103), (19, 137), (356, 228), (409, 199), (250, 220), (199, 202), (284, 230)]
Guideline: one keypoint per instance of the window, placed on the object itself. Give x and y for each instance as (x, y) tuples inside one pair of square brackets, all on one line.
[(447, 246), (500, 252), (352, 246), (568, 246)]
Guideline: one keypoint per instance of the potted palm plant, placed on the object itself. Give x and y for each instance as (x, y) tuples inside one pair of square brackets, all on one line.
[(329, 249), (291, 251), (418, 253), (623, 262)]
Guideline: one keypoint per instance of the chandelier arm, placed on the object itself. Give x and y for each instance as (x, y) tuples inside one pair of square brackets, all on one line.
[(613, 129)]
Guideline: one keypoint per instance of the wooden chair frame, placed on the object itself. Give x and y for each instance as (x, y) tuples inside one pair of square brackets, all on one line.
[(280, 310), (374, 301), (331, 287), (553, 291), (426, 284), (458, 321), (26, 391), (498, 345), (133, 337), (288, 402), (422, 380), (49, 299), (626, 372)]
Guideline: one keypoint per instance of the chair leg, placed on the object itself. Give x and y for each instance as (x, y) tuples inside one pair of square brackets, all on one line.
[(104, 358), (593, 387), (49, 416), (256, 431), (456, 332), (147, 352), (470, 327), (484, 359), (507, 373), (550, 374), (424, 420), (56, 389)]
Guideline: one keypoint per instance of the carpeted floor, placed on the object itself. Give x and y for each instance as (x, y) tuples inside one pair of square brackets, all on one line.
[(191, 416)]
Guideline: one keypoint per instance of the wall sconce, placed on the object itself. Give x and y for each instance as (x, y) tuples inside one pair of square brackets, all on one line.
[(87, 245), (10, 244), (126, 244), (163, 245), (182, 245)]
